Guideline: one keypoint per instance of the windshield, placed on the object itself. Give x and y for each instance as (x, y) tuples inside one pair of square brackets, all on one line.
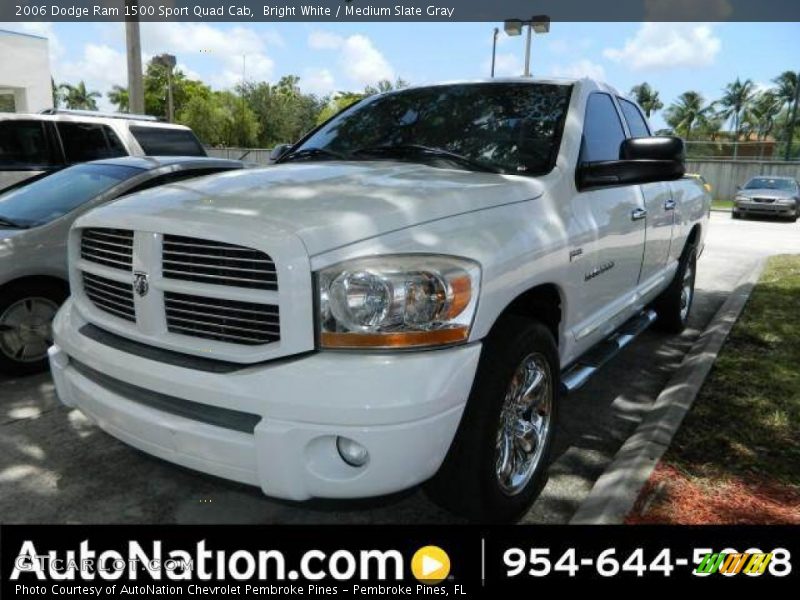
[(766, 183), (55, 195), (504, 127)]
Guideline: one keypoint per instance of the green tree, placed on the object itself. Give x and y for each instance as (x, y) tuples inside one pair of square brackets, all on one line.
[(787, 92), (736, 103), (221, 119), (78, 97), (647, 98), (686, 113), (155, 89), (119, 97), (763, 114)]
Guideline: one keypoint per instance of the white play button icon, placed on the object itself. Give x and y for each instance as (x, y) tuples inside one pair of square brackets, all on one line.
[(430, 565)]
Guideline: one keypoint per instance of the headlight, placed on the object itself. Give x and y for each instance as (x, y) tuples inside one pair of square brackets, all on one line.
[(741, 199), (398, 301)]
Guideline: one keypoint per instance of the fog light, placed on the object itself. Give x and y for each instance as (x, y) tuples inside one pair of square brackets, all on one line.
[(353, 453)]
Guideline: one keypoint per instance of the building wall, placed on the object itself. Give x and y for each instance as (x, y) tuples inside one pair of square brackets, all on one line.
[(25, 71)]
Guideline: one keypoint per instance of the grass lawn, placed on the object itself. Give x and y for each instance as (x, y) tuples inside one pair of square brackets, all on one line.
[(736, 457), (722, 204)]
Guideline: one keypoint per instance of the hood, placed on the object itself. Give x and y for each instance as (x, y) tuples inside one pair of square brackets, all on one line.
[(327, 204), (765, 193)]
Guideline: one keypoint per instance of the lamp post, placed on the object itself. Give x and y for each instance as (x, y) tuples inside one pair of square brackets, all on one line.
[(494, 47), (537, 23), (168, 61)]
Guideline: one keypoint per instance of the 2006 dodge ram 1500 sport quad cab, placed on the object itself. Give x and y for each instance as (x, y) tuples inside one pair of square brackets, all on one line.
[(404, 297)]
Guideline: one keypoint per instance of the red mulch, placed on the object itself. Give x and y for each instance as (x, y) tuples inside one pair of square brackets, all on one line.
[(670, 497)]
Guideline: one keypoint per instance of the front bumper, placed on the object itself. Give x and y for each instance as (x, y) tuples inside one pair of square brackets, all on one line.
[(403, 407), (765, 208)]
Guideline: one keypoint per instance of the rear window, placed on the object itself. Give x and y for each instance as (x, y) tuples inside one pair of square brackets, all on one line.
[(24, 144), (83, 142), (160, 141)]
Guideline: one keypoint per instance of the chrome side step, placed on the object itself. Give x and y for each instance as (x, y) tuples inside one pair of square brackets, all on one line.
[(588, 364)]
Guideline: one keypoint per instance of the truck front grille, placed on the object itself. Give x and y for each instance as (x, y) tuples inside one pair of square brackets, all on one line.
[(110, 296), (224, 320), (108, 247), (217, 263)]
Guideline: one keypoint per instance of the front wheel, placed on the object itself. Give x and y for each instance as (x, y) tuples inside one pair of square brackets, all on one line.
[(26, 317), (497, 463)]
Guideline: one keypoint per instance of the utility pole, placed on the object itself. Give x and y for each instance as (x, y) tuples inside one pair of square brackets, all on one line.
[(134, 51), (792, 119), (527, 72)]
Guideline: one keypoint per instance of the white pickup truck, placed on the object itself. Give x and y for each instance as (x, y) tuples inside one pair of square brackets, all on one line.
[(405, 297)]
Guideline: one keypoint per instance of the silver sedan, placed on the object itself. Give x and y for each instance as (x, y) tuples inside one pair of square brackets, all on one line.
[(34, 221), (767, 195)]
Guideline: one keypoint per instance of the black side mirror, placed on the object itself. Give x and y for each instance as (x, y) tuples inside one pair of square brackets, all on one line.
[(642, 160), (278, 151)]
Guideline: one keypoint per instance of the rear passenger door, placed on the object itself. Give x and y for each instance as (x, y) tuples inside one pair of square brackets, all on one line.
[(83, 142), (659, 204), (165, 141), (27, 148)]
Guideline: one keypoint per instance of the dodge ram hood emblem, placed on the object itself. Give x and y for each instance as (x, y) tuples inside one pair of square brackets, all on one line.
[(140, 283)]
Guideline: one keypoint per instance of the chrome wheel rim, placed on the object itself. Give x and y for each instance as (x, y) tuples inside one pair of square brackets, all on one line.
[(686, 292), (524, 425), (26, 329)]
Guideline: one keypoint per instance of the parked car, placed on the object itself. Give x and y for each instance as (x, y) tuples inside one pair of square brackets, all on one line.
[(34, 222), (35, 144), (403, 297), (768, 195)]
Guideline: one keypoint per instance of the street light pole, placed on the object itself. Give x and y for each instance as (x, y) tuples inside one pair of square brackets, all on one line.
[(527, 72), (494, 47)]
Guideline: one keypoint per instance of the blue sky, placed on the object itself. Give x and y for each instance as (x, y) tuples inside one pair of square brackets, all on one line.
[(672, 57)]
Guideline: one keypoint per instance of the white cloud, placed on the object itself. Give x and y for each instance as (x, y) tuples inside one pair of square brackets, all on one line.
[(580, 68), (317, 81), (100, 67), (361, 62), (668, 45), (506, 65)]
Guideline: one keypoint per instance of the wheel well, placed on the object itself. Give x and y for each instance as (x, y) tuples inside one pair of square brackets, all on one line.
[(694, 236), (542, 303), (38, 279)]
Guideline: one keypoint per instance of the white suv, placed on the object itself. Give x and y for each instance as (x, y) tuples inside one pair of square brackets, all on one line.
[(32, 144)]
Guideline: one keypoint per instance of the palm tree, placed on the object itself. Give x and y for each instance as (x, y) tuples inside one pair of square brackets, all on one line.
[(119, 97), (766, 107), (687, 113), (647, 98), (78, 97), (788, 93), (736, 103)]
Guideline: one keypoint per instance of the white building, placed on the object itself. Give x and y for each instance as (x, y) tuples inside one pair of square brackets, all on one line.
[(24, 73)]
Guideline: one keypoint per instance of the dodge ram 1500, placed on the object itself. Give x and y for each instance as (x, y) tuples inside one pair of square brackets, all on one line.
[(404, 297)]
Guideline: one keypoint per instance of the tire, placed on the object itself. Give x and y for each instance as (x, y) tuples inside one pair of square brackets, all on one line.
[(26, 314), (471, 482), (735, 215), (675, 303)]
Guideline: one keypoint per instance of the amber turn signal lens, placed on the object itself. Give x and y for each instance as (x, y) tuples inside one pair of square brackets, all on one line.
[(402, 339)]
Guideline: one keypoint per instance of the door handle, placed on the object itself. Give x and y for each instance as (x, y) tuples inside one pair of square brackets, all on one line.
[(638, 214), (670, 205)]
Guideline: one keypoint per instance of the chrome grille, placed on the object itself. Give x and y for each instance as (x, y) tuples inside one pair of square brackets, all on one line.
[(223, 320), (217, 263), (765, 200), (110, 296), (109, 247)]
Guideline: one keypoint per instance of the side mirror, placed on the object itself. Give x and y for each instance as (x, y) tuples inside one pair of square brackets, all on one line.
[(279, 151), (642, 160)]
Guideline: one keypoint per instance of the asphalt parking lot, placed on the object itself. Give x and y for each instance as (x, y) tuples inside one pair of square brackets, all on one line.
[(56, 467)]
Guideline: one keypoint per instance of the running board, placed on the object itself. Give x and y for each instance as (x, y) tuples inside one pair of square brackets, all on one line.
[(588, 364)]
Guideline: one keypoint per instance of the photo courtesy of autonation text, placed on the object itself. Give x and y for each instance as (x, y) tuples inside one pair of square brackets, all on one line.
[(399, 298)]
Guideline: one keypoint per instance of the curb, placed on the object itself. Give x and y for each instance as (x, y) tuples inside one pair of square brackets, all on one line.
[(614, 493)]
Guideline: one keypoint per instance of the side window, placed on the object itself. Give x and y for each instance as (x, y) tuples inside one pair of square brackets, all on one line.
[(161, 141), (602, 132), (24, 144), (633, 117), (88, 141)]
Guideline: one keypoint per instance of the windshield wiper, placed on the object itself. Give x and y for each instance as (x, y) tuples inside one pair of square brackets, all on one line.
[(5, 222), (306, 153), (422, 152)]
